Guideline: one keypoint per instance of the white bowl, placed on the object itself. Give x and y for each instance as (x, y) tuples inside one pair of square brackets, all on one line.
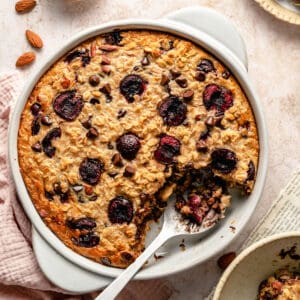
[(241, 210), (255, 264)]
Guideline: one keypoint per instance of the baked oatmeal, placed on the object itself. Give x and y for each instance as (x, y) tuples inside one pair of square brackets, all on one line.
[(120, 123), (283, 285)]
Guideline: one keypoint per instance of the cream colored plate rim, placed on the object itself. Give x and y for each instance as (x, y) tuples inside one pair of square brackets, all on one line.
[(279, 11)]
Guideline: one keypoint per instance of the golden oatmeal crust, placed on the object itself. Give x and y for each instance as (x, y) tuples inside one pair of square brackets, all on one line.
[(121, 243)]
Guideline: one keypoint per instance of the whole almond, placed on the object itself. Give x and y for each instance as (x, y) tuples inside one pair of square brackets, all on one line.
[(25, 59), (34, 39), (24, 6), (225, 260)]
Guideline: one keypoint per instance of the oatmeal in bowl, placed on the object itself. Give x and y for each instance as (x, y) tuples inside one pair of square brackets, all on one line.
[(119, 124)]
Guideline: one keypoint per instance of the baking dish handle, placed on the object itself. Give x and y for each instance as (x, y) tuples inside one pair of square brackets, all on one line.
[(214, 24)]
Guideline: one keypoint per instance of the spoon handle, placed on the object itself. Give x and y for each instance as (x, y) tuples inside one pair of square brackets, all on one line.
[(112, 290)]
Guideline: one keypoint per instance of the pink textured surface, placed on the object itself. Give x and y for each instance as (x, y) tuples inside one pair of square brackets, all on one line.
[(273, 52)]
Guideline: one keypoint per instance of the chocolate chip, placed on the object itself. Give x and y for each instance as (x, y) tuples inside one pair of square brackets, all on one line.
[(94, 80), (201, 146), (88, 240), (93, 197), (105, 261), (46, 120), (92, 133), (35, 108), (204, 135), (87, 124), (106, 89), (188, 95), (112, 174), (174, 74), (121, 113), (129, 171), (35, 126), (57, 188), (182, 82), (164, 80), (226, 74), (127, 256), (110, 146), (37, 147), (145, 61), (117, 160), (94, 101), (200, 76)]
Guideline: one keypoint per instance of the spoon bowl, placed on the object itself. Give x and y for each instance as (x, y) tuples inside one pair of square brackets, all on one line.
[(173, 226)]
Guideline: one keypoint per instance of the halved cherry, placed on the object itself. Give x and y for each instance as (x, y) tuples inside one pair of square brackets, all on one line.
[(132, 85), (173, 111), (217, 97), (68, 105)]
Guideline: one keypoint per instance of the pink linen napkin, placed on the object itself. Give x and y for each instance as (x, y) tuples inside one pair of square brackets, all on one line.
[(20, 275)]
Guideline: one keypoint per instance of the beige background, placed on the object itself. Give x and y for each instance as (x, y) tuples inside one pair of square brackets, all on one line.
[(274, 68)]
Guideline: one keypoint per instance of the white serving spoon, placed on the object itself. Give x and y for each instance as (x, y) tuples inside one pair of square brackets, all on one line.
[(172, 226)]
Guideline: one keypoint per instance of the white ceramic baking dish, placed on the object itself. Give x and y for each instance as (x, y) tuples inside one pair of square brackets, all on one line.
[(217, 35)]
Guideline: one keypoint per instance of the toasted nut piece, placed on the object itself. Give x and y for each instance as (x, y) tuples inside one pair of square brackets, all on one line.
[(105, 69), (34, 39), (25, 59), (24, 6), (105, 60), (164, 79), (108, 47)]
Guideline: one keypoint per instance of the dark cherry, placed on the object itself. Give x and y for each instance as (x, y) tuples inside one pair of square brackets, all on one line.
[(132, 85), (173, 111), (167, 149), (35, 126), (81, 224), (90, 170), (216, 97), (251, 171), (128, 145), (83, 54), (88, 240), (206, 66), (223, 160), (68, 105), (47, 141), (120, 210), (113, 38), (35, 108)]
